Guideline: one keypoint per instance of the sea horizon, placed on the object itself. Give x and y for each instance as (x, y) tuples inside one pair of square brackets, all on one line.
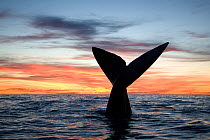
[(98, 94)]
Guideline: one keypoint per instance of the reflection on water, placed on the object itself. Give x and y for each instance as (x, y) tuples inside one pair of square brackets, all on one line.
[(119, 128), (82, 117)]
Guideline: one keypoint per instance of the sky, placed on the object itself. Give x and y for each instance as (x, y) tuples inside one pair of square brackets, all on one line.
[(46, 45)]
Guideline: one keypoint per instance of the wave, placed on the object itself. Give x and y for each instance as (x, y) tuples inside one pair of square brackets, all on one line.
[(82, 116)]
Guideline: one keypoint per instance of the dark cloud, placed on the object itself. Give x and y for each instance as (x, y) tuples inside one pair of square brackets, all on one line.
[(5, 14), (56, 27), (41, 36), (198, 35), (83, 57), (19, 66), (120, 45), (27, 77), (4, 60), (189, 59), (132, 47), (201, 6), (78, 29), (116, 46)]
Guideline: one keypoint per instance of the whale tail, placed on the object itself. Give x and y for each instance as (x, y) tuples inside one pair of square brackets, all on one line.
[(121, 76)]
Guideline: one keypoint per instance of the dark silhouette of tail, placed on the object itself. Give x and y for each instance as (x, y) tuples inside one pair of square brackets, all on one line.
[(121, 76)]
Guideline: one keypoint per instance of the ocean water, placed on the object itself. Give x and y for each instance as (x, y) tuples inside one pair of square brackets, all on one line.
[(159, 117)]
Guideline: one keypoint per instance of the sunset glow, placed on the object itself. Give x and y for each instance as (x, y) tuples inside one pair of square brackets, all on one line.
[(46, 49)]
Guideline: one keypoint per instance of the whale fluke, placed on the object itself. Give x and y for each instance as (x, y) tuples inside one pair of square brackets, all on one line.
[(121, 76), (111, 64)]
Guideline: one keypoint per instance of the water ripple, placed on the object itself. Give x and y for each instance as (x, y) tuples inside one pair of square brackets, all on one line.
[(82, 117)]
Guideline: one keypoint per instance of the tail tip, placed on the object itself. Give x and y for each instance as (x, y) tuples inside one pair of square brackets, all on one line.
[(163, 46), (166, 43)]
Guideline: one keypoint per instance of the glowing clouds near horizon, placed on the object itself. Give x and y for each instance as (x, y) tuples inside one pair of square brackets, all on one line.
[(60, 79)]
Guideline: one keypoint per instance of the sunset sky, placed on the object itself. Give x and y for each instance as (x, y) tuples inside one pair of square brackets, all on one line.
[(46, 45)]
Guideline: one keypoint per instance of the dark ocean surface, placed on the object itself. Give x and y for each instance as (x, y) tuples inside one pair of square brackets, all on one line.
[(159, 117)]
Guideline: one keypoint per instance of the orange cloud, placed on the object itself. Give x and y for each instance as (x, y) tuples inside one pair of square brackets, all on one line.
[(17, 78), (51, 78)]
